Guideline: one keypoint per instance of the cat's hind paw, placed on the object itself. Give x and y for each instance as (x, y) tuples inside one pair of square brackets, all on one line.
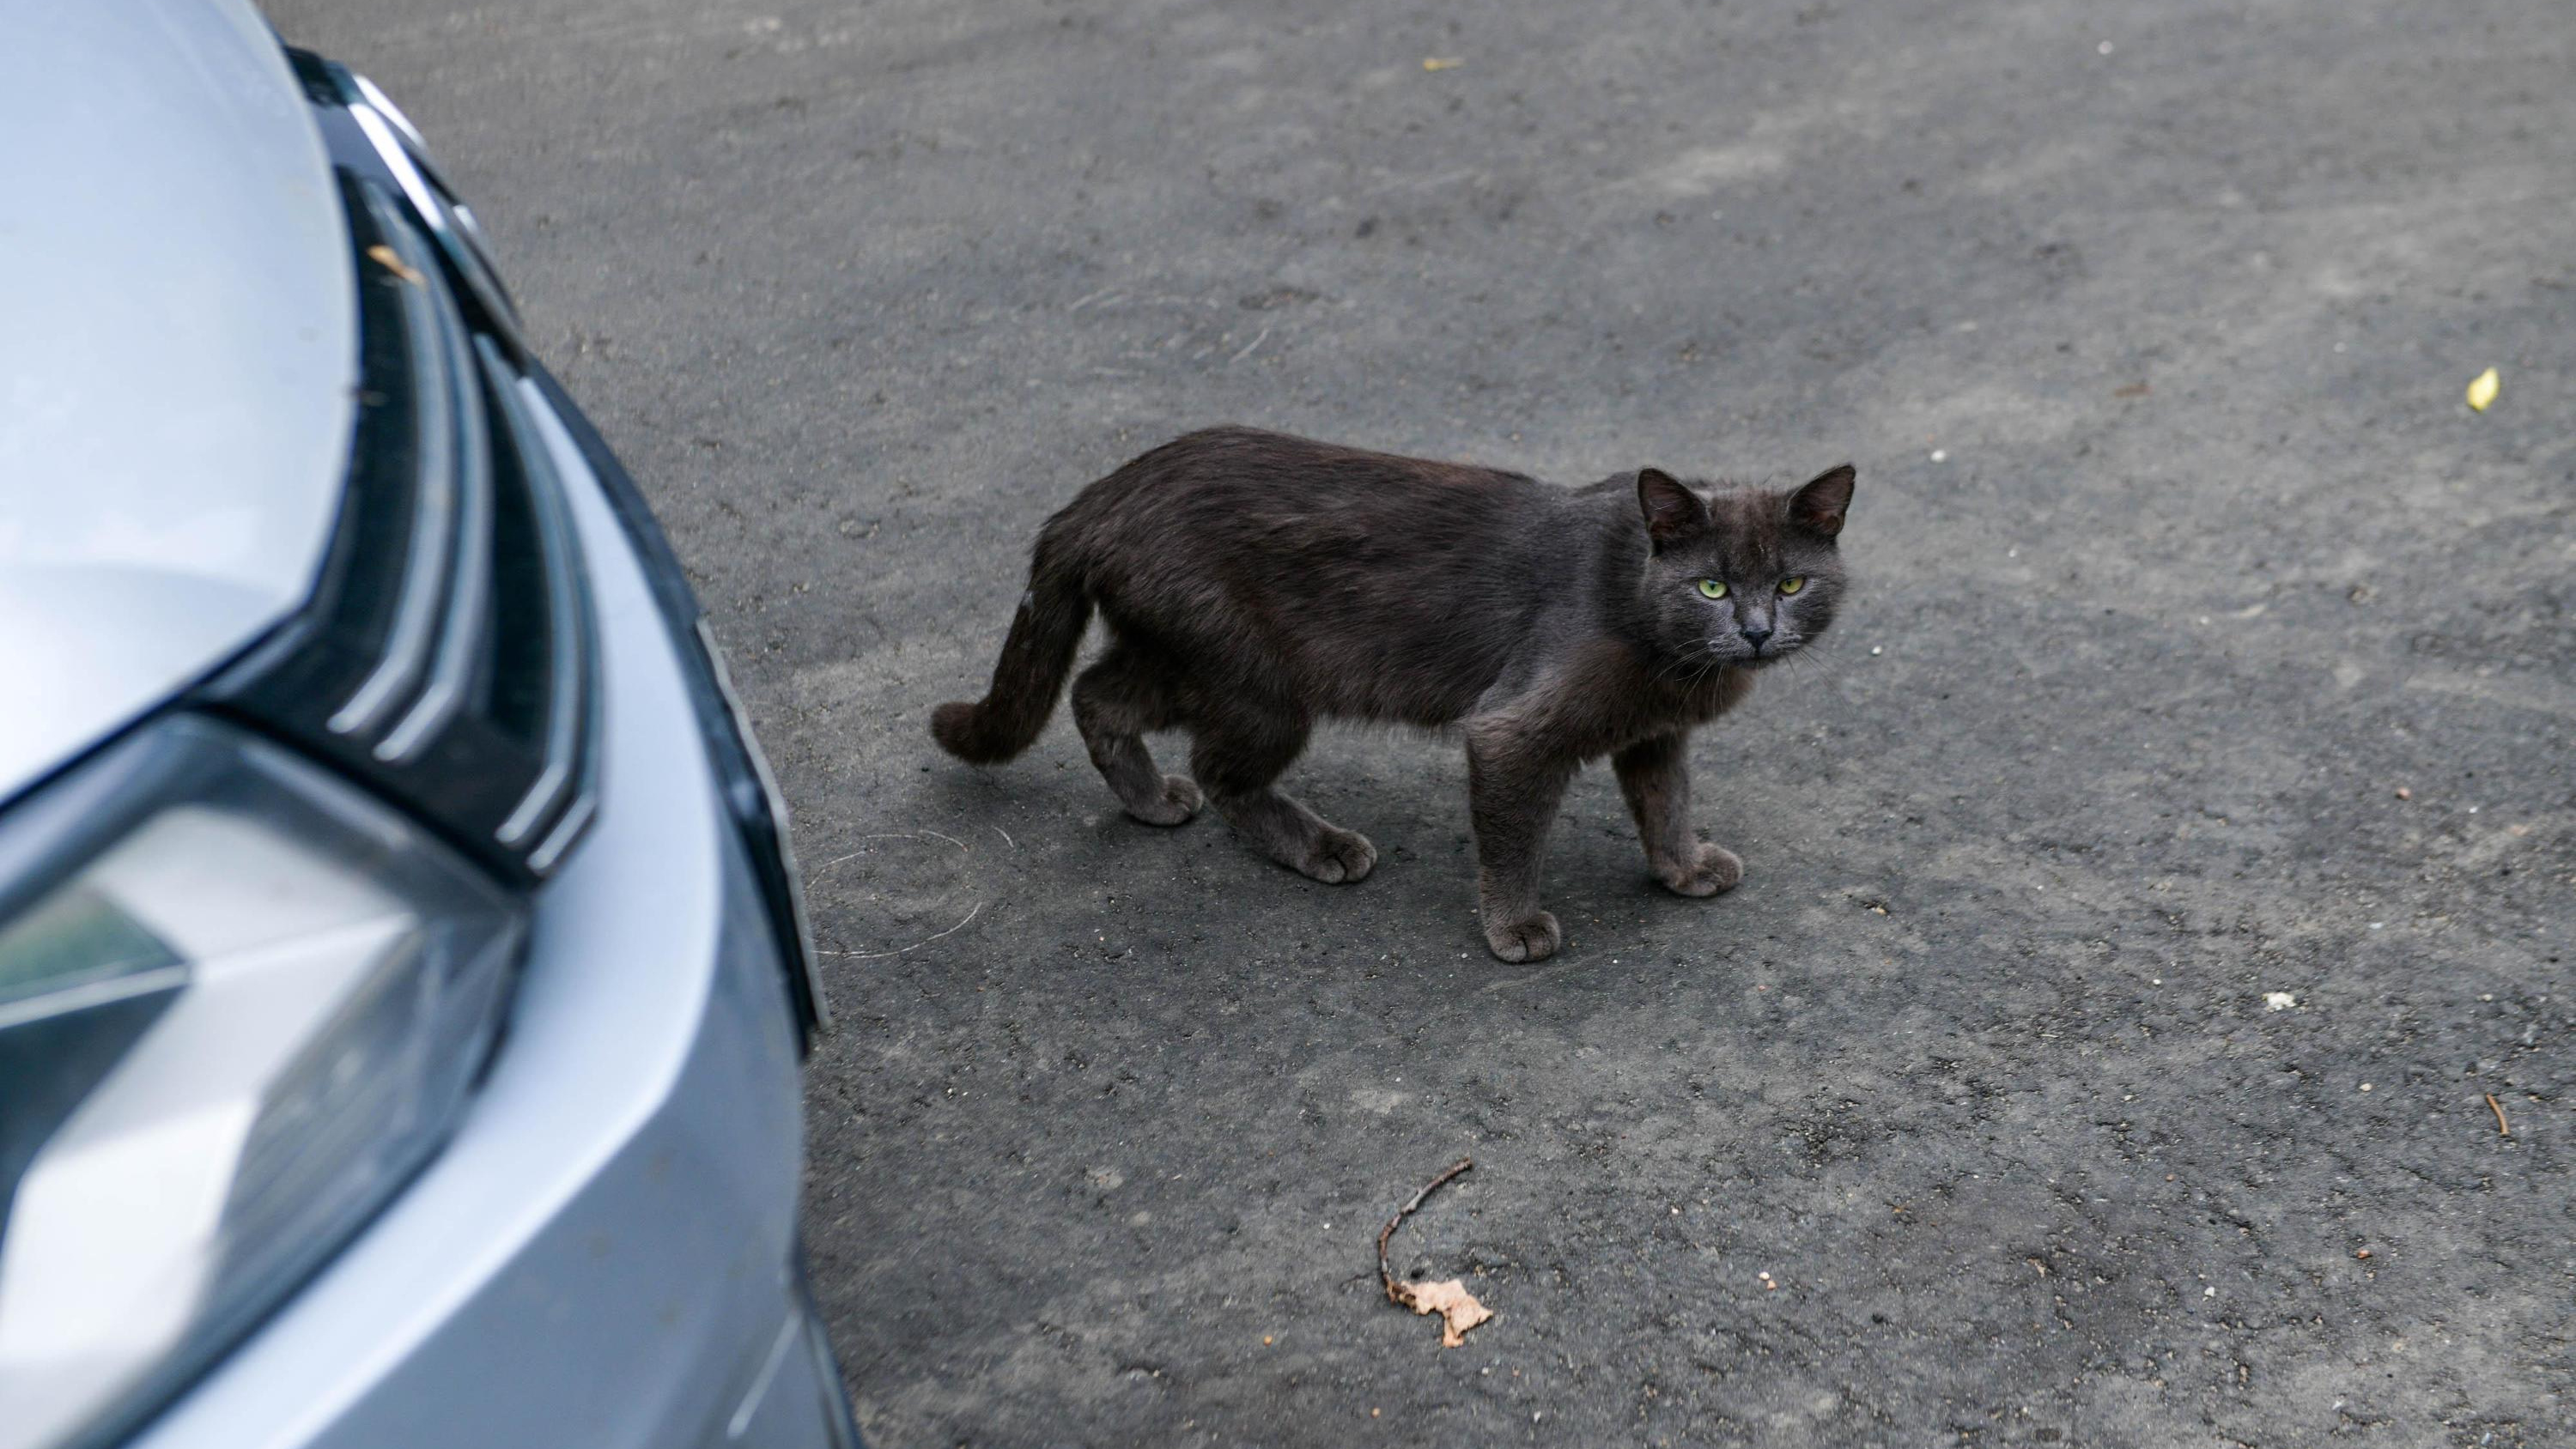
[(1179, 801), (1532, 938), (1339, 857), (1716, 870)]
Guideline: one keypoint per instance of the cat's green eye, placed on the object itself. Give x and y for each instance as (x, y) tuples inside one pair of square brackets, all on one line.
[(1792, 584), (1711, 589)]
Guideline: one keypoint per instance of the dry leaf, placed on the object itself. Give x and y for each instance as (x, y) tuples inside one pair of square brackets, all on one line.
[(2483, 391), (1458, 1308), (1442, 62), (391, 260)]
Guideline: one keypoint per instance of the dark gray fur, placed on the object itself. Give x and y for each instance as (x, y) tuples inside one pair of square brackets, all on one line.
[(1254, 584)]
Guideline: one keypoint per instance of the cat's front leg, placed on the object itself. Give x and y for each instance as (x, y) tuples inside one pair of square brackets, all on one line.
[(1654, 773), (1512, 793)]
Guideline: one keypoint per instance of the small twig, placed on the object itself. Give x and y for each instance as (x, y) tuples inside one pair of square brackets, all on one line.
[(1385, 1274), (2498, 1108)]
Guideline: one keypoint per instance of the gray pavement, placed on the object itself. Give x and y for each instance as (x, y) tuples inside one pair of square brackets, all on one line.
[(2180, 559)]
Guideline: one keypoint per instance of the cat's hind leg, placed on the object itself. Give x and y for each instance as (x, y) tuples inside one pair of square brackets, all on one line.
[(1114, 702), (1240, 749)]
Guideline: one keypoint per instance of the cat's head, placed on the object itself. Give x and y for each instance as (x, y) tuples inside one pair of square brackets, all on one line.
[(1743, 576)]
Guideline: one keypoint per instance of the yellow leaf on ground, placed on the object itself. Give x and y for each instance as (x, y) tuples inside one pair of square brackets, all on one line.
[(1458, 1309), (2483, 391), (1442, 62)]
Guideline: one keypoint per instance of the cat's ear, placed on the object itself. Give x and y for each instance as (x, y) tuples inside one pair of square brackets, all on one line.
[(1671, 510), (1819, 507)]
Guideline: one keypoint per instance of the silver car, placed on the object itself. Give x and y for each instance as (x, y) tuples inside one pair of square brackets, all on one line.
[(403, 985)]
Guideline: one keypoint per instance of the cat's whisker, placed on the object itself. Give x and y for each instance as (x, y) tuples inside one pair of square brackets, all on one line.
[(1681, 662), (1826, 663), (1715, 662)]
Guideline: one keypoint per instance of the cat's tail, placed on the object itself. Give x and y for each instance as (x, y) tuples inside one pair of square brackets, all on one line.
[(1030, 674)]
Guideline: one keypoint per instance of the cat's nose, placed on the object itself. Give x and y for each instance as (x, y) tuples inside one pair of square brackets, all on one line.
[(1755, 637)]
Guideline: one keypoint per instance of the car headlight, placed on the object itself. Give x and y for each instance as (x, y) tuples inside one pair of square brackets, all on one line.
[(240, 1003)]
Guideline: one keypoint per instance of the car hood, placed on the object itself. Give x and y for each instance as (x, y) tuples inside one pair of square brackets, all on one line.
[(176, 366)]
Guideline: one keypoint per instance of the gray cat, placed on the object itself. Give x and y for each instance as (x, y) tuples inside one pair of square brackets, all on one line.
[(1255, 583)]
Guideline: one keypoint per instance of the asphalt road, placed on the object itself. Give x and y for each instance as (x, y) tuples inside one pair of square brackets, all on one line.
[(2206, 647)]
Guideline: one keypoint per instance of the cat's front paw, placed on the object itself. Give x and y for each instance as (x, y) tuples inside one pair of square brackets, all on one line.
[(1717, 869), (1339, 857), (1179, 801), (1531, 938)]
